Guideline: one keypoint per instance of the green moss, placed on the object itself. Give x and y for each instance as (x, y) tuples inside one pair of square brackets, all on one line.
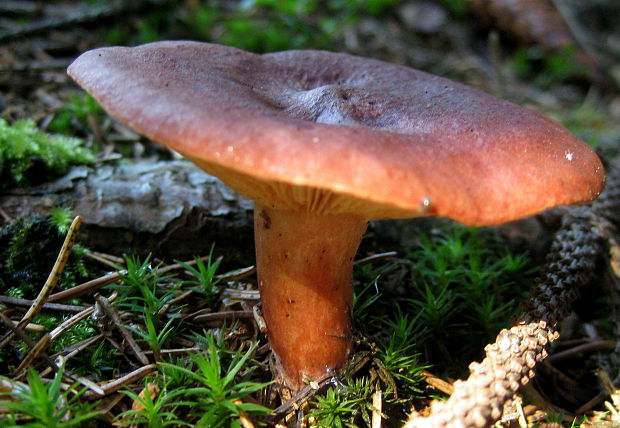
[(61, 218), (456, 7), (79, 108), (254, 25), (29, 156), (592, 124), (459, 287), (546, 69), (81, 331)]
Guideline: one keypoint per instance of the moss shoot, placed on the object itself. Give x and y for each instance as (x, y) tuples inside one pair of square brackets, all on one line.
[(29, 156)]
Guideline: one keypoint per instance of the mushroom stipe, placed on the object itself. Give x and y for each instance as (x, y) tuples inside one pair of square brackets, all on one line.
[(325, 142)]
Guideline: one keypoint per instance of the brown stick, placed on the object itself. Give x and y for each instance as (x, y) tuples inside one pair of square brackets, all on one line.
[(54, 275), (224, 316), (50, 283), (46, 339), (586, 347), (119, 383), (116, 319), (86, 287), (51, 306)]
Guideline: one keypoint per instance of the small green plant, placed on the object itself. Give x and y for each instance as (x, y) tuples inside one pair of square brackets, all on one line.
[(456, 7), (337, 409), (363, 299), (590, 123), (465, 284), (399, 356), (206, 280), (366, 295), (95, 361), (46, 406), (79, 109), (546, 69), (157, 408), (81, 331), (219, 396), (155, 339), (141, 290), (29, 156), (557, 418), (158, 24), (144, 291), (273, 25), (61, 218)]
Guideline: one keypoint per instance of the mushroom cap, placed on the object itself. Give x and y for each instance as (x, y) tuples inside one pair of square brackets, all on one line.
[(338, 133)]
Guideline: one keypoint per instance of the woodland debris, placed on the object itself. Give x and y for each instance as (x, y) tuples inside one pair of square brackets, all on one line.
[(159, 206)]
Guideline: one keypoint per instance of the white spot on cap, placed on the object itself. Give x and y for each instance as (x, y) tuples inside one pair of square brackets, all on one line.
[(569, 156), (315, 139), (230, 149), (425, 205)]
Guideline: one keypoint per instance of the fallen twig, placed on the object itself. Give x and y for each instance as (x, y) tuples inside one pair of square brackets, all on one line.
[(304, 395), (46, 339), (86, 287), (50, 306), (224, 316), (586, 347), (438, 383), (377, 406), (50, 283), (18, 330), (116, 319), (119, 383), (54, 275)]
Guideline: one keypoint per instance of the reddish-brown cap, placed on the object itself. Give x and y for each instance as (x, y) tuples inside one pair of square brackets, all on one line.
[(339, 133)]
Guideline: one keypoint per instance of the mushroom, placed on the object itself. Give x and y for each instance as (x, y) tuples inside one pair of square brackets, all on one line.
[(325, 142)]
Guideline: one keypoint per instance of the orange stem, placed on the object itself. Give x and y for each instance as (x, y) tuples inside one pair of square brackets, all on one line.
[(304, 263)]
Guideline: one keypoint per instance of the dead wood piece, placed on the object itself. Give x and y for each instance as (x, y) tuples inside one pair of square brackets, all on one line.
[(531, 21), (377, 404), (159, 207), (176, 351), (20, 7), (76, 348), (246, 422), (97, 283), (16, 329), (57, 269)]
